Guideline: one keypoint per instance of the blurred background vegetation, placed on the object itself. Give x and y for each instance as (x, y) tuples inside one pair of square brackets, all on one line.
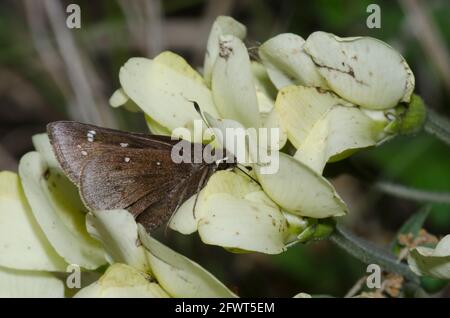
[(49, 72)]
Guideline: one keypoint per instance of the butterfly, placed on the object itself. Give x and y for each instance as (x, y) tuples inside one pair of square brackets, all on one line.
[(115, 169)]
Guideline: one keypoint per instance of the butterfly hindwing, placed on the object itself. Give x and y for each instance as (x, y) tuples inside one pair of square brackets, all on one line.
[(120, 170), (122, 178), (160, 212)]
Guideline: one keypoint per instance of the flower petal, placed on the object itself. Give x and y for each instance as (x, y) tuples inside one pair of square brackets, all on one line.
[(233, 86), (164, 92), (120, 98), (41, 143), (230, 134), (178, 64), (117, 230), (363, 70), (29, 284), (300, 108), (248, 224), (271, 121), (299, 190), (288, 64), (156, 128), (184, 221), (59, 211), (431, 262), (23, 244), (178, 275), (336, 135), (222, 25), (122, 281), (265, 90), (232, 211), (223, 181), (302, 295)]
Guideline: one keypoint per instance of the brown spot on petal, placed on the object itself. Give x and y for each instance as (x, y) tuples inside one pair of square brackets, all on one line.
[(47, 174)]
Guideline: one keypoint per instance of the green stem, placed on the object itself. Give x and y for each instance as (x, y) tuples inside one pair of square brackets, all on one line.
[(438, 126), (413, 194), (368, 253)]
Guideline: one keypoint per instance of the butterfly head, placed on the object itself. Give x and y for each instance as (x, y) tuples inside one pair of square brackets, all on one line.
[(227, 161)]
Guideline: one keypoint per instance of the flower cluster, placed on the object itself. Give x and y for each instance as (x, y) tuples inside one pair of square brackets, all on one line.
[(45, 230), (328, 96)]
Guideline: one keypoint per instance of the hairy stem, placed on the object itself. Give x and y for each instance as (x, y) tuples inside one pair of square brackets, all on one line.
[(368, 253), (438, 126), (412, 193)]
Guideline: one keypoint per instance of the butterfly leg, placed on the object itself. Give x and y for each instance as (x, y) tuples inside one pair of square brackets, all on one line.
[(180, 201), (201, 183)]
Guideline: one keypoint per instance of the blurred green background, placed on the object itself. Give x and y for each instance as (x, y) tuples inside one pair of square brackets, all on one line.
[(49, 72)]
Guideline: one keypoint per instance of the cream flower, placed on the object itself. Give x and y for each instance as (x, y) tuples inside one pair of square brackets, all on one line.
[(234, 93), (338, 95), (44, 228), (26, 256), (143, 267), (434, 262), (363, 70)]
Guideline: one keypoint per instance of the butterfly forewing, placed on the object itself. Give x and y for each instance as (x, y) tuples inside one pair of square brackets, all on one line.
[(75, 143), (121, 170), (126, 176)]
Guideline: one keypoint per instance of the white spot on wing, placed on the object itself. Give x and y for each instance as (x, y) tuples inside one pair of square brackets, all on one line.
[(84, 153), (127, 159), (158, 163), (90, 135), (123, 144)]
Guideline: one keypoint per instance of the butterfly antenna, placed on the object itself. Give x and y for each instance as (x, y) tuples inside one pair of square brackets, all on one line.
[(248, 175), (199, 111), (203, 180), (252, 49)]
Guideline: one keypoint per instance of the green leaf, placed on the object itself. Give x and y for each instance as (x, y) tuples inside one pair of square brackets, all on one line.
[(433, 285), (412, 225)]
